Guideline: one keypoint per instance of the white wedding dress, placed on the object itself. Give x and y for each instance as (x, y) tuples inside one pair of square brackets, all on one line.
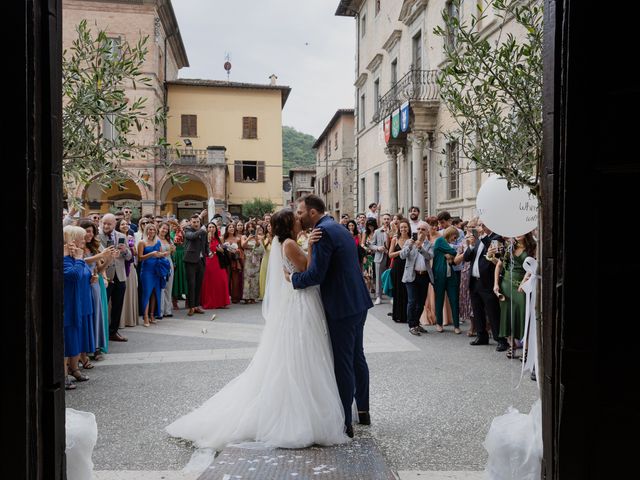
[(287, 397)]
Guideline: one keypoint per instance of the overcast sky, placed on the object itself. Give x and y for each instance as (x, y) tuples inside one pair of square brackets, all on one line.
[(301, 41)]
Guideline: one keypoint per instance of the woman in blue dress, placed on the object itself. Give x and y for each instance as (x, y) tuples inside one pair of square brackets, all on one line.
[(78, 303), (154, 269)]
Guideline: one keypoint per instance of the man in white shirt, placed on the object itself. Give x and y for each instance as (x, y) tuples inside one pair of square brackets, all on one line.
[(483, 301)]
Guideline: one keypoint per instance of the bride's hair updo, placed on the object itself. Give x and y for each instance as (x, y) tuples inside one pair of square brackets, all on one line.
[(282, 224)]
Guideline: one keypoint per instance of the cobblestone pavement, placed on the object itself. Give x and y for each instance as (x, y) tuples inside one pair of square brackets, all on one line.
[(432, 397)]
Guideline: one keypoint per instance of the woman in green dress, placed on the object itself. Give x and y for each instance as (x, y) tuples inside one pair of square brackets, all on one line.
[(179, 290), (507, 288)]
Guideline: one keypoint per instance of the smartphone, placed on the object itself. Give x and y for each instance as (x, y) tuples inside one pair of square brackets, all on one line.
[(121, 241), (414, 236), (474, 232), (109, 243)]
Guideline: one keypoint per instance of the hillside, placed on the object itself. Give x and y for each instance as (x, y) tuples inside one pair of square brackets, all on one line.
[(296, 149)]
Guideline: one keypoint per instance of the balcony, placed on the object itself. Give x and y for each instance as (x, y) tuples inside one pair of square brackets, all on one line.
[(416, 85), (192, 156)]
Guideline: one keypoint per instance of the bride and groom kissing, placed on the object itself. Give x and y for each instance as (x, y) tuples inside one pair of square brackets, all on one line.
[(309, 366)]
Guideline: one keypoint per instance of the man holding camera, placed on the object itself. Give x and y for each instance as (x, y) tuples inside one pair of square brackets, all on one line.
[(196, 251), (483, 301), (116, 273)]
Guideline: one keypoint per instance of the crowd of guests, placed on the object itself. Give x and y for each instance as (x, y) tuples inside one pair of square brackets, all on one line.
[(119, 273), (441, 270), (437, 270)]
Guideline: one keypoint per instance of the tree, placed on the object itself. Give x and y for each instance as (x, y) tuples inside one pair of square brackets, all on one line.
[(494, 90), (98, 119), (297, 149), (257, 207)]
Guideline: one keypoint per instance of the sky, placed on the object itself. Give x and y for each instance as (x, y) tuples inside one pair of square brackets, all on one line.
[(301, 41)]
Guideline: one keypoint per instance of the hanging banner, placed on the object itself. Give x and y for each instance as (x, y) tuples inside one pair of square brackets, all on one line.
[(395, 123), (404, 117), (387, 129)]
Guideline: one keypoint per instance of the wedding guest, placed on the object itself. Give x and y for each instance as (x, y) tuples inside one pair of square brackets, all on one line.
[(268, 238), (380, 247), (215, 285), (253, 252), (446, 280), (96, 257), (179, 290), (367, 242), (231, 244), (116, 273), (78, 302), (167, 246), (513, 300), (196, 250), (153, 271), (417, 276), (466, 312), (130, 307), (400, 298)]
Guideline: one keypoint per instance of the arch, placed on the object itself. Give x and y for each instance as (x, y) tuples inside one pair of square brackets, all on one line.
[(175, 198), (102, 200)]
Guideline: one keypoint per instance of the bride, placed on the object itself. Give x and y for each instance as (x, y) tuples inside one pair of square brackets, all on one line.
[(287, 397)]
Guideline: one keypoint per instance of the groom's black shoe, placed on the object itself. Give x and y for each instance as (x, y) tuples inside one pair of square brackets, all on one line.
[(349, 431), (364, 418)]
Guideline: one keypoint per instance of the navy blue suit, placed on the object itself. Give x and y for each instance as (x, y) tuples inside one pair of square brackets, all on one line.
[(334, 266)]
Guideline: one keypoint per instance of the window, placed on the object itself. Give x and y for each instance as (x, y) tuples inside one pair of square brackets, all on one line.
[(362, 193), (376, 187), (247, 171), (335, 178), (363, 26), (417, 51), (335, 140), (108, 128), (113, 45), (362, 112), (249, 127), (189, 125), (453, 170), (394, 72), (377, 9), (329, 148), (376, 96), (329, 183), (452, 13)]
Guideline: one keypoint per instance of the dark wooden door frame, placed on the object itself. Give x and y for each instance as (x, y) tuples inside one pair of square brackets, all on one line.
[(33, 399)]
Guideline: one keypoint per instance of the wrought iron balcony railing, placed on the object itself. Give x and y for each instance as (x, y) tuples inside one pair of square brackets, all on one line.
[(415, 85)]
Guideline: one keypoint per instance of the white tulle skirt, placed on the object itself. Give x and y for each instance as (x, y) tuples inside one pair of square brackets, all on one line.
[(287, 397)]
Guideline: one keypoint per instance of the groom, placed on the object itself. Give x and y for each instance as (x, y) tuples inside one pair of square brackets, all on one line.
[(335, 267)]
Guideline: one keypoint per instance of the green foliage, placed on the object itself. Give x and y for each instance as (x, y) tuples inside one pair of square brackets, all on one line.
[(98, 119), (297, 149), (494, 91), (257, 207)]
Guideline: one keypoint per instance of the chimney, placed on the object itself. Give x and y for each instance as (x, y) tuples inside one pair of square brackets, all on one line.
[(273, 78)]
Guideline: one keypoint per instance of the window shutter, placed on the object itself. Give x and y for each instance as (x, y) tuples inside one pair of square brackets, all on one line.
[(184, 131), (189, 127), (245, 127), (237, 171), (249, 127), (261, 172)]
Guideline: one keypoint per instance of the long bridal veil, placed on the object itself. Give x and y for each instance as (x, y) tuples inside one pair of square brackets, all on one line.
[(276, 289)]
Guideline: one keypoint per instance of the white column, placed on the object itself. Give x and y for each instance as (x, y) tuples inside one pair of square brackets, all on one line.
[(417, 147), (403, 182), (392, 179)]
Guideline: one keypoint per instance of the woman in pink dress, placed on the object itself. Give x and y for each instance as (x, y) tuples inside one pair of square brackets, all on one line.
[(215, 285)]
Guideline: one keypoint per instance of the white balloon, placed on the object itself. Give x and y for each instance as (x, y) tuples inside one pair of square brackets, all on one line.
[(510, 213)]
